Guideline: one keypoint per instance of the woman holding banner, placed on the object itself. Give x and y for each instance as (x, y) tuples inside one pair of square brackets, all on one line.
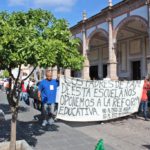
[(144, 98)]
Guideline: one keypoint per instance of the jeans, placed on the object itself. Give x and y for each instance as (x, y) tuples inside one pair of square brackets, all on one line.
[(48, 111), (25, 97), (7, 91), (143, 108), (36, 104)]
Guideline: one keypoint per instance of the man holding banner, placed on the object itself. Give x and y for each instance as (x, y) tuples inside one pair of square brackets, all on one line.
[(47, 95)]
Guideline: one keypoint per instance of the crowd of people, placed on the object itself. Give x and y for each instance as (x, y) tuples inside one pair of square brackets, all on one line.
[(44, 96), (41, 95)]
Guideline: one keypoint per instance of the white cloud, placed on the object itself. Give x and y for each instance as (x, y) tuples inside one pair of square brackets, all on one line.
[(16, 2), (62, 9), (58, 5), (67, 3)]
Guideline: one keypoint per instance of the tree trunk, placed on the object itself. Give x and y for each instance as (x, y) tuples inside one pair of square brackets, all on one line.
[(13, 130)]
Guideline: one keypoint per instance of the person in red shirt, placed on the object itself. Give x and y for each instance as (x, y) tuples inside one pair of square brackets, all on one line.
[(24, 92), (144, 98)]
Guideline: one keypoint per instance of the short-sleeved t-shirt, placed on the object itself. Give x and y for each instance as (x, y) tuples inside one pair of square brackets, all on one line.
[(48, 89)]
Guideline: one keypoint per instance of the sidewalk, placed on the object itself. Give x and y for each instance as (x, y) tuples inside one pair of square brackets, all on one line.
[(123, 134), (60, 136)]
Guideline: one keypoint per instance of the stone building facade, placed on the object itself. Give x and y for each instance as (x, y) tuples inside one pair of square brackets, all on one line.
[(116, 41)]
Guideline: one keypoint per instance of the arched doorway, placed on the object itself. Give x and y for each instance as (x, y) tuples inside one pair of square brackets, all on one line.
[(98, 54), (132, 41)]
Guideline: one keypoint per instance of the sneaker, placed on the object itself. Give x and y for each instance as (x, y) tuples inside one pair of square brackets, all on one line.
[(44, 123), (50, 121), (36, 118), (55, 119)]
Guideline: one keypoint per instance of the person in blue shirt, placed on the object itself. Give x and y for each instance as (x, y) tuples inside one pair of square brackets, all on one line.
[(47, 95)]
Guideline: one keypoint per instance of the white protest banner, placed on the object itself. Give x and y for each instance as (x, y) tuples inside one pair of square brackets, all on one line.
[(86, 100)]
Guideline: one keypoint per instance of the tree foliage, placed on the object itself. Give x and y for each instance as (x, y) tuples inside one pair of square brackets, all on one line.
[(37, 38), (5, 74), (34, 38)]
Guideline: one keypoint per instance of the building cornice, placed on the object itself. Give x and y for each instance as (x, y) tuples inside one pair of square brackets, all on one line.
[(114, 12)]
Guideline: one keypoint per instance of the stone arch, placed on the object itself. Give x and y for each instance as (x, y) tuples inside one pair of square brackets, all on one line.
[(97, 43), (127, 20), (104, 32)]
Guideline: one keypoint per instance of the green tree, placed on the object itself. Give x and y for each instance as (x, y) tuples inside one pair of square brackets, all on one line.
[(5, 74), (34, 38)]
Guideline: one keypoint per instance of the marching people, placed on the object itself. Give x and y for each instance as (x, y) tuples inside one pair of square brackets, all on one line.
[(24, 92), (1, 84), (144, 99), (7, 85), (47, 95), (33, 92)]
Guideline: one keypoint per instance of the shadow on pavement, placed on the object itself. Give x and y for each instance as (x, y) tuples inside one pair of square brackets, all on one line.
[(119, 121), (6, 109), (78, 124), (112, 121), (146, 146), (25, 131)]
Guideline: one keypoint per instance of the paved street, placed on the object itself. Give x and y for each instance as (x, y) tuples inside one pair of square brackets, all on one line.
[(127, 134), (123, 134)]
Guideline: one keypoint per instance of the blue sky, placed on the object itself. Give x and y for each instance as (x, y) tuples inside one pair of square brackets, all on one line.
[(68, 9)]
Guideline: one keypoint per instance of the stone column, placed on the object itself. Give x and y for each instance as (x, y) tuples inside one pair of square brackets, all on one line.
[(112, 61), (85, 71), (148, 54)]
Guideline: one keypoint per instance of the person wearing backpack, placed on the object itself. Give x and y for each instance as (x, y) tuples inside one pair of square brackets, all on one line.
[(34, 96)]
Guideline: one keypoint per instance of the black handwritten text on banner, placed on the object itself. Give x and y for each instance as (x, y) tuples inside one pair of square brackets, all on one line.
[(81, 100)]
